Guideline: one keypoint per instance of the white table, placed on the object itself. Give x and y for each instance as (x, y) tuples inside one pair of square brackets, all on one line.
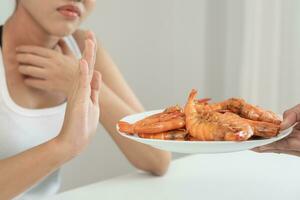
[(241, 176)]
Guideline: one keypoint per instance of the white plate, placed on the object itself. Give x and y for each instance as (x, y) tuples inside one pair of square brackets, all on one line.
[(197, 146)]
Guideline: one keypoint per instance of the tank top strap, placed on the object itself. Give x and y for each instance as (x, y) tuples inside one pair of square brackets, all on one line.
[(71, 42)]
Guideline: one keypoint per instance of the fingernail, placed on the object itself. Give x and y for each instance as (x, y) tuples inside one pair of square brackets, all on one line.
[(90, 33)]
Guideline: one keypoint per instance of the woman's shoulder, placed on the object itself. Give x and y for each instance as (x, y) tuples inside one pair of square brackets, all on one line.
[(80, 36)]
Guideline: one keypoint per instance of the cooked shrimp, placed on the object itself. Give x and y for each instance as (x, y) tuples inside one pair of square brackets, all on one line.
[(207, 125), (243, 109), (191, 138), (179, 134), (260, 128), (264, 129), (170, 119)]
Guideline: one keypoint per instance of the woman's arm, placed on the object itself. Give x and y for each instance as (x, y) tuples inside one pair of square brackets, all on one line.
[(116, 101), (111, 75), (144, 157), (115, 81), (20, 172)]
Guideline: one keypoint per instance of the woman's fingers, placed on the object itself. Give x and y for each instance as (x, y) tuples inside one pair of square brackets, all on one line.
[(80, 92), (95, 86), (90, 50), (89, 54), (33, 71), (290, 117), (36, 50), (90, 35), (89, 82), (32, 59), (84, 81), (36, 83)]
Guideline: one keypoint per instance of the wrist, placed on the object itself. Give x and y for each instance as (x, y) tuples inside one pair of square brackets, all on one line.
[(61, 150)]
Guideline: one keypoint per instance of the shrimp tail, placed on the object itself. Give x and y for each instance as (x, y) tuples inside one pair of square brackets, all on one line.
[(126, 127)]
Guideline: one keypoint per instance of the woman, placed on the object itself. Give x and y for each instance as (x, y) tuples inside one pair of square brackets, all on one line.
[(41, 45)]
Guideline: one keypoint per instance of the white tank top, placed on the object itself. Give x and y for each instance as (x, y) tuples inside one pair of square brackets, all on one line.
[(22, 129)]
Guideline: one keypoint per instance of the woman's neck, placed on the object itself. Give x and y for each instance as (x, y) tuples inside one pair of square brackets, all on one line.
[(22, 29)]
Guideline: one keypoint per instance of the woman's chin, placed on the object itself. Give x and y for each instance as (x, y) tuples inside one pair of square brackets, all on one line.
[(63, 30)]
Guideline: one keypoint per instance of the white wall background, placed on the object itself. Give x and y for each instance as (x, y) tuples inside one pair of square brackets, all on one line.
[(224, 48)]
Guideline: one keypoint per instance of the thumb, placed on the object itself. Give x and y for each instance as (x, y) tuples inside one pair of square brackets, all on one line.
[(290, 118), (89, 54)]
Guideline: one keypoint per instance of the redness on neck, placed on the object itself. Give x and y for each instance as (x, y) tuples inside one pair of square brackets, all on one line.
[(22, 29)]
